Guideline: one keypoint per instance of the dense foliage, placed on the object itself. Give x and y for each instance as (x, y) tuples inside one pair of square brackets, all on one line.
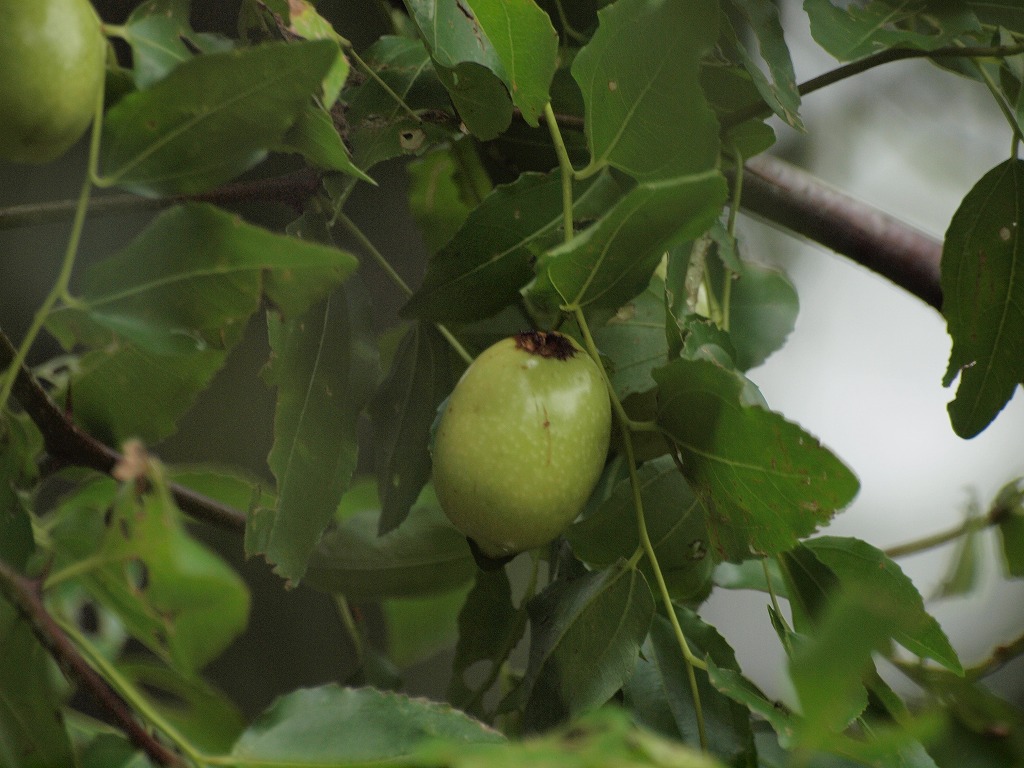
[(572, 164)]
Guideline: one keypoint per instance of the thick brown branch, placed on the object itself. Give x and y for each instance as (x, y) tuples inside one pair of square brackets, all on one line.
[(785, 195), (25, 595), (67, 443)]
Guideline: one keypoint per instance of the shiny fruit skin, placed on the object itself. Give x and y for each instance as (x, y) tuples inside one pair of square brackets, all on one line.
[(52, 63), (522, 442)]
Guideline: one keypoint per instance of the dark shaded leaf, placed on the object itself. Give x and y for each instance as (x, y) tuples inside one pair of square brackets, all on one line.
[(983, 297), (324, 367), (423, 373)]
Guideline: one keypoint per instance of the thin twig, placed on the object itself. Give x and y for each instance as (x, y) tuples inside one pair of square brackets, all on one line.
[(25, 594), (66, 443)]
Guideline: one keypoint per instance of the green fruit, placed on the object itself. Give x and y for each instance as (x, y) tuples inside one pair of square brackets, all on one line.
[(522, 442), (52, 61)]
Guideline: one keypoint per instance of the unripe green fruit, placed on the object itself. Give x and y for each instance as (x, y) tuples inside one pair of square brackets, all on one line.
[(52, 61), (522, 442)]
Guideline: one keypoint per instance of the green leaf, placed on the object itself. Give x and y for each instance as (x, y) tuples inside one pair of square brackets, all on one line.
[(490, 627), (21, 445), (162, 314), (1008, 511), (211, 118), (157, 31), (489, 43), (860, 566), (135, 557), (643, 50), (202, 714), (305, 22), (32, 730), (601, 739), (110, 750), (963, 573), (424, 555), (780, 93), (379, 128), (315, 136), (733, 684), (331, 726), (419, 627), (585, 639), (612, 261), (983, 297), (442, 192), (726, 723), (763, 309), (676, 524), (423, 373), (483, 267), (764, 481), (324, 367), (852, 31), (634, 340)]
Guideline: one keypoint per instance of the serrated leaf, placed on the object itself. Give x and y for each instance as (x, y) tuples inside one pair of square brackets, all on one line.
[(612, 261), (157, 31), (642, 50), (331, 726), (423, 373), (324, 367), (676, 524), (424, 555), (162, 314), (860, 566), (764, 481), (211, 118), (585, 640), (172, 594), (508, 43), (852, 31), (490, 627), (780, 93), (483, 267), (601, 739), (983, 297), (379, 128)]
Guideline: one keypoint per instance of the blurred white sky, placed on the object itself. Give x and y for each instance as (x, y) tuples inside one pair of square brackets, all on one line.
[(863, 368)]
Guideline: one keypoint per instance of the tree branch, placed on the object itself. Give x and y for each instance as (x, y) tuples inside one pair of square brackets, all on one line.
[(66, 443), (26, 595), (785, 195)]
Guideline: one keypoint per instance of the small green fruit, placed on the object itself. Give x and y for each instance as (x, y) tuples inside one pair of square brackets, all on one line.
[(52, 61), (522, 442)]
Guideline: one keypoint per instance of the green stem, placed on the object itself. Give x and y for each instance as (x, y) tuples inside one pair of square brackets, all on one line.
[(925, 543), (568, 28), (396, 278), (368, 70), (1008, 112), (59, 290), (135, 699), (567, 170), (692, 662), (775, 602)]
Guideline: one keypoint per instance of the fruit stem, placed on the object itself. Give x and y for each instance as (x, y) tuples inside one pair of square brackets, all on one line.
[(59, 291), (692, 662), (567, 171)]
